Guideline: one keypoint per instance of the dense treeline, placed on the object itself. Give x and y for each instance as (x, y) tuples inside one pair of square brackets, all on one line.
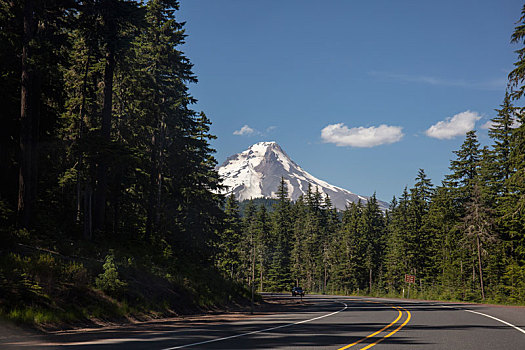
[(99, 138), (463, 239), (105, 142), (101, 153)]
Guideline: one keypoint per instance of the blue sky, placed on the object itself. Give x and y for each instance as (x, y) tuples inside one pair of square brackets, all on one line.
[(353, 91)]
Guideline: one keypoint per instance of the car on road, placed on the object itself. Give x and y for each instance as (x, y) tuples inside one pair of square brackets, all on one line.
[(297, 291)]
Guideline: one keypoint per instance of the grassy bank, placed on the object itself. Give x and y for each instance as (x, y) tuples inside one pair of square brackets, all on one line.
[(56, 288)]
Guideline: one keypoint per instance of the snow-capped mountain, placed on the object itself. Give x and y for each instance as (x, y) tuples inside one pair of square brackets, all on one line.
[(257, 173)]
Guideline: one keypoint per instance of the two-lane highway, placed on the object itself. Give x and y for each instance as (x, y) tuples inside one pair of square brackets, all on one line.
[(318, 322)]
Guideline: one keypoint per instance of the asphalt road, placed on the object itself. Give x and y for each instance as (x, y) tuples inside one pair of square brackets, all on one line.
[(316, 322)]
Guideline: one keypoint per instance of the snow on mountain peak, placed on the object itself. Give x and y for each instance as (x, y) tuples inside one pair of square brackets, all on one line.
[(257, 171)]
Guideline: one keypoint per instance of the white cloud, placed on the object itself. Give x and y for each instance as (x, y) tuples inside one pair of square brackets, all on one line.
[(245, 131), (451, 127), (341, 135)]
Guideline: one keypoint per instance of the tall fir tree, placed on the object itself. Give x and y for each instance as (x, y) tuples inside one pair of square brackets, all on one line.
[(371, 227), (279, 275), (465, 167)]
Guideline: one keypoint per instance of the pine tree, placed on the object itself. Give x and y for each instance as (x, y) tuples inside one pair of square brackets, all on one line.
[(261, 245), (417, 237), (445, 252), (116, 17), (42, 52), (279, 271), (10, 42), (355, 249), (395, 246), (514, 200), (371, 227), (228, 259), (298, 244), (501, 132), (247, 243), (479, 230), (517, 75), (330, 242), (399, 248), (465, 167)]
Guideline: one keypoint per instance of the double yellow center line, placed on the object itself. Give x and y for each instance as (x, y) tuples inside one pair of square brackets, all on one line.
[(400, 311)]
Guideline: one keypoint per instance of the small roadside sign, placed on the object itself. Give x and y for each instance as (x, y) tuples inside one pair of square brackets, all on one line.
[(410, 278)]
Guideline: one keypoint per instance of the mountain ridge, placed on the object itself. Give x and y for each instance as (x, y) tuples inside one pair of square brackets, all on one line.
[(257, 172)]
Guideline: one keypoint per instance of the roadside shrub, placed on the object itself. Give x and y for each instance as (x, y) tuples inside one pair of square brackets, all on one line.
[(45, 271), (108, 281), (76, 273)]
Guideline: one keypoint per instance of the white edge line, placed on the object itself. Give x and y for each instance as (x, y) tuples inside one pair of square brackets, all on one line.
[(497, 319), (489, 316), (255, 332)]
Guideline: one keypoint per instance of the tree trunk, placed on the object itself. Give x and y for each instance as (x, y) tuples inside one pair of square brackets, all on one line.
[(35, 107), (261, 279), (152, 186), (462, 279), (155, 192), (25, 202), (88, 228), (157, 142), (81, 127), (102, 169), (480, 270), (116, 204), (325, 278), (370, 291)]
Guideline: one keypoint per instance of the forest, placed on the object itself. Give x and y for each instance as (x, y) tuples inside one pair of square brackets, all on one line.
[(108, 187), (110, 202)]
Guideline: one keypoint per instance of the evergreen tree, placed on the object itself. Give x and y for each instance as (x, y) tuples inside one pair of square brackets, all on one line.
[(42, 51), (354, 248), (417, 236), (398, 247), (517, 75), (371, 227), (465, 167), (262, 249), (514, 200), (247, 243), (279, 277), (116, 17), (479, 229), (331, 243), (298, 245), (501, 132), (229, 239), (445, 252), (395, 247), (10, 41)]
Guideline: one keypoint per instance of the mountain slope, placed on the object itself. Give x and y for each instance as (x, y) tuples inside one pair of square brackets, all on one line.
[(257, 172)]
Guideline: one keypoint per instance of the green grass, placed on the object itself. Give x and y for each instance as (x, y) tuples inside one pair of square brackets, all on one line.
[(49, 289), (38, 316)]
